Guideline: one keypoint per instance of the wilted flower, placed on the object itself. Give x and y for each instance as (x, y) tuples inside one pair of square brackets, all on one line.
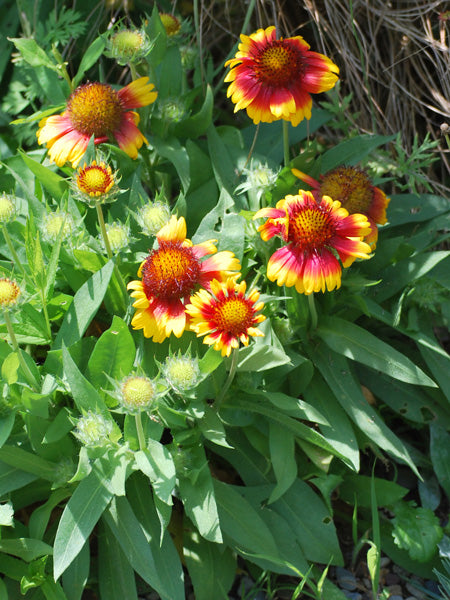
[(226, 316), (274, 78), (171, 24), (96, 109), (170, 275), (352, 188), (313, 233)]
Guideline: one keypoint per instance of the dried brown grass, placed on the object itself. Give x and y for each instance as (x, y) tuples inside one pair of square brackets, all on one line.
[(394, 58)]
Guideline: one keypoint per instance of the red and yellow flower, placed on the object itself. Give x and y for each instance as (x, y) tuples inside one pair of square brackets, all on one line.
[(352, 188), (225, 315), (314, 233), (170, 275), (274, 78), (96, 109)]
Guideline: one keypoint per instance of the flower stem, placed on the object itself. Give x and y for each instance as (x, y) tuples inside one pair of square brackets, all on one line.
[(10, 245), (313, 311), (25, 368), (101, 222), (286, 142), (140, 432), (228, 382)]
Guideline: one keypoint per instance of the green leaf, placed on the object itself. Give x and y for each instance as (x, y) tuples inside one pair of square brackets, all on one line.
[(84, 394), (197, 125), (25, 548), (416, 530), (350, 152), (167, 559), (52, 590), (13, 479), (399, 276), (298, 429), (113, 354), (212, 427), (413, 208), (212, 568), (198, 497), (240, 522), (338, 430), (76, 575), (387, 492), (440, 455), (53, 183), (356, 343), (282, 454), (84, 307), (32, 53), (222, 162), (123, 523), (172, 150), (257, 358), (90, 57), (116, 578), (10, 368), (336, 371), (439, 367), (28, 462), (41, 516), (156, 462), (6, 425), (79, 517)]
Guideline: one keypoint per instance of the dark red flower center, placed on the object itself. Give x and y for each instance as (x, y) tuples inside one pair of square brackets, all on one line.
[(350, 186), (170, 272), (233, 315), (95, 109), (310, 227), (279, 64)]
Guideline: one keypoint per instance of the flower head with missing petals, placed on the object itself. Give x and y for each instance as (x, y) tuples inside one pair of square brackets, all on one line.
[(226, 315), (274, 78), (96, 110), (314, 232), (352, 188), (170, 275)]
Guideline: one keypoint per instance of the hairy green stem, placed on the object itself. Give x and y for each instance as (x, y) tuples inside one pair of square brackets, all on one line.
[(118, 274), (10, 245), (229, 381), (140, 432), (25, 368)]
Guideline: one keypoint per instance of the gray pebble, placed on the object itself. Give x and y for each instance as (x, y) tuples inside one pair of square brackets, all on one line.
[(352, 595), (345, 579)]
